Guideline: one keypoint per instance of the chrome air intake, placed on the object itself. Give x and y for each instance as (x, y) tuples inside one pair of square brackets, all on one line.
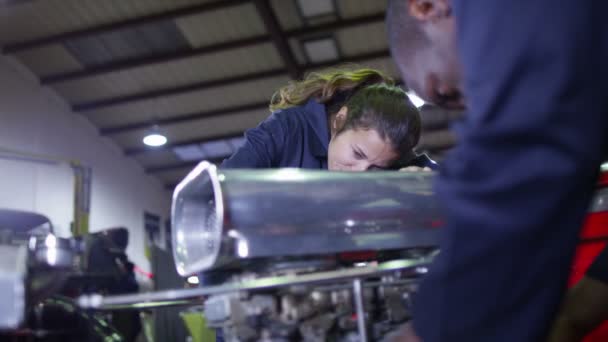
[(220, 216)]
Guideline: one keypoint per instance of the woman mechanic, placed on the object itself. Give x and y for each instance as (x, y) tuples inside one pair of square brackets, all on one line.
[(341, 120)]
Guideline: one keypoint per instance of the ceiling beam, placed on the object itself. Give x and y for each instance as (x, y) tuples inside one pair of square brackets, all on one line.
[(336, 25), (181, 118), (181, 165), (146, 95), (142, 150), (279, 39), (175, 119), (141, 61), (170, 186), (430, 122), (171, 167), (119, 25), (153, 94)]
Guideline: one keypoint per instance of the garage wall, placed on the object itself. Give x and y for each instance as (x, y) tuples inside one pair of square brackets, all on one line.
[(34, 120)]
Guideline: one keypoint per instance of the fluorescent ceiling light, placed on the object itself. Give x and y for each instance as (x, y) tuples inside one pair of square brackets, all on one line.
[(416, 100), (155, 139)]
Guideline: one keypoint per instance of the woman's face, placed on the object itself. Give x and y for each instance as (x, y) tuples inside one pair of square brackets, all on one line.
[(359, 150)]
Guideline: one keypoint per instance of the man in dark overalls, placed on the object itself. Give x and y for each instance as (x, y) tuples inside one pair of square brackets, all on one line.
[(516, 188)]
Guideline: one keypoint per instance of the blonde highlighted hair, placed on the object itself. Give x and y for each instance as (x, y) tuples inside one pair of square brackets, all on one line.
[(324, 85)]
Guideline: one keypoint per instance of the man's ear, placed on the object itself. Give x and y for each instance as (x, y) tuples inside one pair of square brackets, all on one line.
[(339, 120), (429, 10)]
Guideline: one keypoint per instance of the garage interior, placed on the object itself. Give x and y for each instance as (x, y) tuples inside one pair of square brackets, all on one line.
[(84, 82)]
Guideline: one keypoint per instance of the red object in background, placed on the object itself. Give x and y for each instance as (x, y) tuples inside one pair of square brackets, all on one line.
[(358, 256), (594, 236), (137, 269), (603, 180)]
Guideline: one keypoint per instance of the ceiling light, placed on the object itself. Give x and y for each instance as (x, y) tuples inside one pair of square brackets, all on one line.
[(416, 100), (193, 280), (155, 138)]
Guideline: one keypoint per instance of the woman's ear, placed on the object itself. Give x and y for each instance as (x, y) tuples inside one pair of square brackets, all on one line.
[(339, 120)]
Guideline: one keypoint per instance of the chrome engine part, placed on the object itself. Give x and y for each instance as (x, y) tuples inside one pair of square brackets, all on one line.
[(297, 255), (39, 274), (314, 312), (232, 218), (12, 286), (356, 303), (33, 265)]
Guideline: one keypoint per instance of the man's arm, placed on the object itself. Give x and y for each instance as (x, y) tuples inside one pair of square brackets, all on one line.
[(586, 304), (584, 308), (517, 186)]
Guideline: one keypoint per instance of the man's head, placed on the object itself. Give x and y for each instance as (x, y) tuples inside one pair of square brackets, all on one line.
[(423, 44)]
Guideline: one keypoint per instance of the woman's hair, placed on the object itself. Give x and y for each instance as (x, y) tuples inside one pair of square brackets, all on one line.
[(326, 86), (372, 100), (388, 110)]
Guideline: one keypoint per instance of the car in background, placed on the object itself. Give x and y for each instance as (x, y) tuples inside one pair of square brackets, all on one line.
[(593, 238)]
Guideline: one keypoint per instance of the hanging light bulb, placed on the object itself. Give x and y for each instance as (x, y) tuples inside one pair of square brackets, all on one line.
[(155, 138)]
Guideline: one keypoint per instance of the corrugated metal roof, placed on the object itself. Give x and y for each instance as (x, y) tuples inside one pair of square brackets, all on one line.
[(221, 25), (287, 14), (158, 158), (56, 57), (297, 50), (58, 16), (352, 9), (321, 50), (208, 67), (42, 18), (374, 36), (385, 65), (212, 149), (173, 176), (215, 98), (143, 40)]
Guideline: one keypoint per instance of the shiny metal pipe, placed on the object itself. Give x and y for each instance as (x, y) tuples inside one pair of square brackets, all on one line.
[(361, 325), (193, 296), (222, 216)]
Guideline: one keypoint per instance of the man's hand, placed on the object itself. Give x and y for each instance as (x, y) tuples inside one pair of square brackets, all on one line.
[(405, 333), (584, 308)]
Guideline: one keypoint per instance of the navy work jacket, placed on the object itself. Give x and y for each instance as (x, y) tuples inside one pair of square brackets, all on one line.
[(294, 137)]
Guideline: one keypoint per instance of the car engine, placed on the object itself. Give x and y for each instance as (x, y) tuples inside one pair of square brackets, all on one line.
[(298, 255)]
